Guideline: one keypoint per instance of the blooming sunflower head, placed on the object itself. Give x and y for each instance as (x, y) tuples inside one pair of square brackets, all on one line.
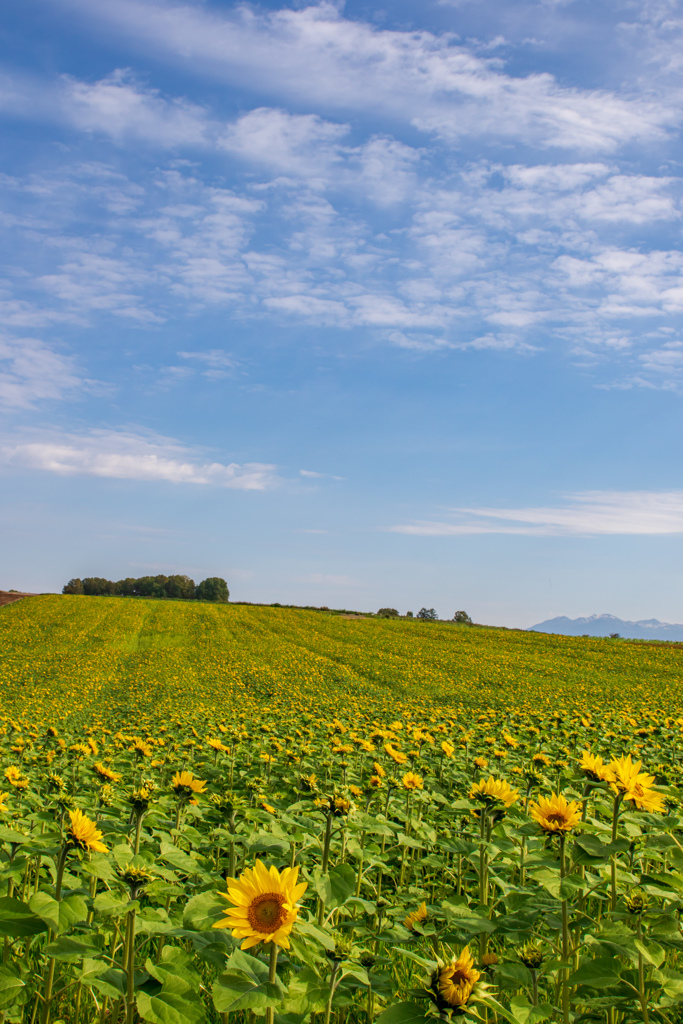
[(4, 797), (83, 833), (481, 763), (15, 777), (593, 767), (186, 786), (106, 773), (141, 749), (416, 917), (453, 984), (264, 905), (412, 781), (555, 814), (494, 791)]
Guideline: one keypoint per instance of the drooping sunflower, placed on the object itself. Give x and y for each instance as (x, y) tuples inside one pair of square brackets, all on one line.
[(83, 832), (264, 905), (494, 791), (555, 814), (453, 984)]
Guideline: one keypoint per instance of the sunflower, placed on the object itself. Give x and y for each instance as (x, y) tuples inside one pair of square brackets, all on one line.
[(396, 755), (83, 832), (454, 982), (481, 763), (416, 917), (106, 773), (494, 791), (645, 798), (626, 777), (593, 767), (185, 785), (555, 814), (4, 797), (264, 905), (447, 748), (140, 748), (412, 781), (15, 777)]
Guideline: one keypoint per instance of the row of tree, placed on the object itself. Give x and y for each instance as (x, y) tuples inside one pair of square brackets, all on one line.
[(426, 614), (180, 587)]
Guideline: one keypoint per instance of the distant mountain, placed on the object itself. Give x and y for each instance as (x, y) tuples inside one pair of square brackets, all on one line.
[(603, 625)]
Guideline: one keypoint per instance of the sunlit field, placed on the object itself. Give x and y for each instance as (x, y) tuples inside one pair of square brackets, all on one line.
[(215, 813)]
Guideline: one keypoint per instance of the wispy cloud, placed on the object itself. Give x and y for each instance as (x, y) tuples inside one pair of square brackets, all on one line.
[(416, 77), (592, 513), (128, 455), (32, 372)]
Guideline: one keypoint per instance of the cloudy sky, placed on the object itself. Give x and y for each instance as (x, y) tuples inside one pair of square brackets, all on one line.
[(353, 304)]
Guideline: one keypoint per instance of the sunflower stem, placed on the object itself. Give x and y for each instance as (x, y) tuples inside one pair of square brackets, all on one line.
[(49, 981), (565, 935), (333, 977), (130, 966), (613, 859), (272, 975), (641, 978)]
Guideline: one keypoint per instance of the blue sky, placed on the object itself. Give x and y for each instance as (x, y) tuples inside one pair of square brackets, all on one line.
[(352, 304)]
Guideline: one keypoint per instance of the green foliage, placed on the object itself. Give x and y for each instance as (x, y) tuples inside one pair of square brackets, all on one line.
[(178, 587), (213, 589)]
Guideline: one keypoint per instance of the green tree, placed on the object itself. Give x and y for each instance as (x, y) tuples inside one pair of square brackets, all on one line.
[(213, 589), (387, 613), (97, 586), (463, 618), (427, 614), (74, 586), (180, 586)]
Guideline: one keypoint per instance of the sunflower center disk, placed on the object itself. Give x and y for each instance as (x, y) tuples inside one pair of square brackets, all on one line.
[(265, 913)]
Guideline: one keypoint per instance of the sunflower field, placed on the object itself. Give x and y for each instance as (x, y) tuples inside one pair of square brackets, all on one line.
[(230, 813)]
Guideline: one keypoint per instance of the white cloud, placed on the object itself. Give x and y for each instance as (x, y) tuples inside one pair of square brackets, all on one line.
[(117, 106), (122, 108), (316, 56), (126, 455), (32, 372), (299, 144), (592, 513)]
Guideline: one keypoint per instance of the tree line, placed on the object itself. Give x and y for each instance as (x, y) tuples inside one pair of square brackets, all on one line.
[(179, 587)]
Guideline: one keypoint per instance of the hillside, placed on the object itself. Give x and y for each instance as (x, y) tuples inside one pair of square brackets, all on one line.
[(87, 655)]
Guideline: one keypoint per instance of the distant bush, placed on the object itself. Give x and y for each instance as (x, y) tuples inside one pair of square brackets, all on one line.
[(409, 615), (462, 617), (387, 613), (427, 614), (178, 587)]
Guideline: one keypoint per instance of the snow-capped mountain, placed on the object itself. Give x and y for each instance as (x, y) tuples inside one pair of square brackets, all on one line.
[(603, 625)]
